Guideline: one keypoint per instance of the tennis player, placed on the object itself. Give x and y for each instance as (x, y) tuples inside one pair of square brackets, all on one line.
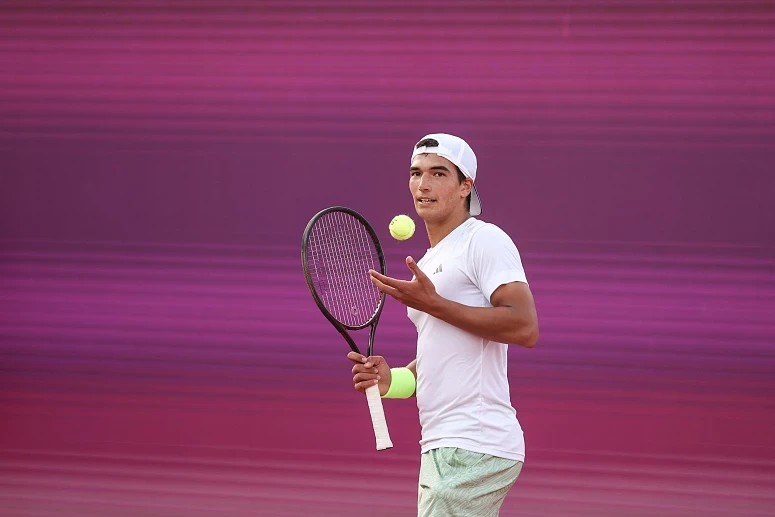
[(469, 299)]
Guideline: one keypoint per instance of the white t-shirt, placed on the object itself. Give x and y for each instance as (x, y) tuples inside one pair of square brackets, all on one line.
[(462, 386)]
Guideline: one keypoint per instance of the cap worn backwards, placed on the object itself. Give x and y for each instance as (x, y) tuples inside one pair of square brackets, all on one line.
[(457, 151)]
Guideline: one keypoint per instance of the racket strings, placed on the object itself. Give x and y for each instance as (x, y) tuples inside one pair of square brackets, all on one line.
[(334, 247), (341, 251), (346, 254), (364, 253)]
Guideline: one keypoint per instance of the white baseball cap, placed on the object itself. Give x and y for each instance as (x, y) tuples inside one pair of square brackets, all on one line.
[(456, 150)]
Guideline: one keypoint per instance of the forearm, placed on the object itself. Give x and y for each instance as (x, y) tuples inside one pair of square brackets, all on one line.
[(412, 367), (509, 325)]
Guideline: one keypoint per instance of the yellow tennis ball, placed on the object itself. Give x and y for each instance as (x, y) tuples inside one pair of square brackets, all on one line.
[(402, 227)]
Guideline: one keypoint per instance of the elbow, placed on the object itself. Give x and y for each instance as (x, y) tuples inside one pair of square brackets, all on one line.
[(526, 336), (531, 339)]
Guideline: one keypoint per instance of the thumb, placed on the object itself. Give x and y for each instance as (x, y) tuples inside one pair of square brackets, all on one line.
[(375, 360), (414, 268)]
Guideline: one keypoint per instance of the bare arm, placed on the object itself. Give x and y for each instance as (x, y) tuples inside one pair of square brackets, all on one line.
[(413, 368), (512, 319)]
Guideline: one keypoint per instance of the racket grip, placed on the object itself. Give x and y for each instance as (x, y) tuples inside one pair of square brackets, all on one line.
[(378, 418)]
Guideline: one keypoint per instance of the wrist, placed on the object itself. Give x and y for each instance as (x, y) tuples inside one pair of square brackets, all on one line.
[(402, 384), (438, 307)]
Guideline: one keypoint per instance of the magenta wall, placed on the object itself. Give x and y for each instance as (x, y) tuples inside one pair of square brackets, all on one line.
[(161, 356)]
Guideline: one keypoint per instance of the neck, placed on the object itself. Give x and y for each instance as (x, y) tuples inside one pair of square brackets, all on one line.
[(438, 230)]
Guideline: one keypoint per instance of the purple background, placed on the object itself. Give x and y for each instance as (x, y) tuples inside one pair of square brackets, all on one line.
[(160, 354)]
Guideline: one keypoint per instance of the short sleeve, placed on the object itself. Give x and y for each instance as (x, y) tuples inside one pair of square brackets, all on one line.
[(494, 260)]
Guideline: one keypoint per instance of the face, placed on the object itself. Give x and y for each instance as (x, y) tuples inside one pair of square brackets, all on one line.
[(434, 184)]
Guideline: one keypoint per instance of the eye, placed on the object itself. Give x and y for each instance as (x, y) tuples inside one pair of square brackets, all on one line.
[(414, 173), (438, 173)]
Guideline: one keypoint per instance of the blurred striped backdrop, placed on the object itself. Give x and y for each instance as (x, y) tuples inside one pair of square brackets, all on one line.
[(161, 356)]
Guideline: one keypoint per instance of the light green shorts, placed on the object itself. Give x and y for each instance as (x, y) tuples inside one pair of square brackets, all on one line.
[(460, 483)]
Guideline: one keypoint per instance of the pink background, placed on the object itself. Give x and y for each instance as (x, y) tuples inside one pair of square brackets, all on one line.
[(161, 356)]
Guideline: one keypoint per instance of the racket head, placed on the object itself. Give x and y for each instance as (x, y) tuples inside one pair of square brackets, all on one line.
[(338, 248)]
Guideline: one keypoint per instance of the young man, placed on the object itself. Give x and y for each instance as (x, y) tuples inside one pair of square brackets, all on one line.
[(469, 300)]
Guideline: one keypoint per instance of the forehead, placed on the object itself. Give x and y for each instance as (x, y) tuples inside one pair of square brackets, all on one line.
[(426, 161)]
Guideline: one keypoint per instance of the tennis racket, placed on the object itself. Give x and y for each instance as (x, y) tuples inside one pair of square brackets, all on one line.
[(337, 250)]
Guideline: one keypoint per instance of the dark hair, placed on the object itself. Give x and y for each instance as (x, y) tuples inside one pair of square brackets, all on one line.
[(432, 142)]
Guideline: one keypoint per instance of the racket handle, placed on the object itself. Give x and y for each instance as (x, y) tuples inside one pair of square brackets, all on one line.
[(378, 418)]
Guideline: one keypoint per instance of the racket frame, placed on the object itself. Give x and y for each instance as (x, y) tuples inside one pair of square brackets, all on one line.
[(372, 393), (341, 327)]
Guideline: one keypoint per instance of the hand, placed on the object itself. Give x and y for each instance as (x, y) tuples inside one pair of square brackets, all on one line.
[(370, 371), (418, 293)]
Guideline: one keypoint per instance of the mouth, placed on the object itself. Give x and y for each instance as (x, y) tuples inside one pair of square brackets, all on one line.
[(425, 201)]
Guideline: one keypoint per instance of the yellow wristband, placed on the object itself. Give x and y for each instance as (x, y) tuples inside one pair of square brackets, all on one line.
[(402, 384)]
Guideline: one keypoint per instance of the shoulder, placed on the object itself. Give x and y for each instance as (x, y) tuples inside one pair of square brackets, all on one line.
[(490, 244), (486, 234), (492, 257)]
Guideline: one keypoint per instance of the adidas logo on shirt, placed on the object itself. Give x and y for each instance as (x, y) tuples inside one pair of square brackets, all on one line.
[(438, 269)]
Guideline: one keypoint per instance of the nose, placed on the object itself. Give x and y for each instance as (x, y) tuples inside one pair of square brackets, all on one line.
[(424, 183)]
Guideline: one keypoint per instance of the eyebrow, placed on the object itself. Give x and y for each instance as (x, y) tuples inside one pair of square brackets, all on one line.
[(434, 168)]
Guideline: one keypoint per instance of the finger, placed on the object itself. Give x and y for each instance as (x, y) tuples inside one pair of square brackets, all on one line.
[(392, 291), (363, 386), (414, 268), (361, 377), (356, 357), (375, 359), (364, 368), (386, 280)]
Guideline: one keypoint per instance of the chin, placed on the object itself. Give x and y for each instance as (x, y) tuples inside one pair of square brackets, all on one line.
[(428, 214), (422, 214)]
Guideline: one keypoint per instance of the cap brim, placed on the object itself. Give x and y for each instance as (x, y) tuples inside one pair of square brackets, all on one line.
[(476, 203)]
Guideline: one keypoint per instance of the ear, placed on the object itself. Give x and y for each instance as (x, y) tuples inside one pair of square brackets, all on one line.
[(467, 186)]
